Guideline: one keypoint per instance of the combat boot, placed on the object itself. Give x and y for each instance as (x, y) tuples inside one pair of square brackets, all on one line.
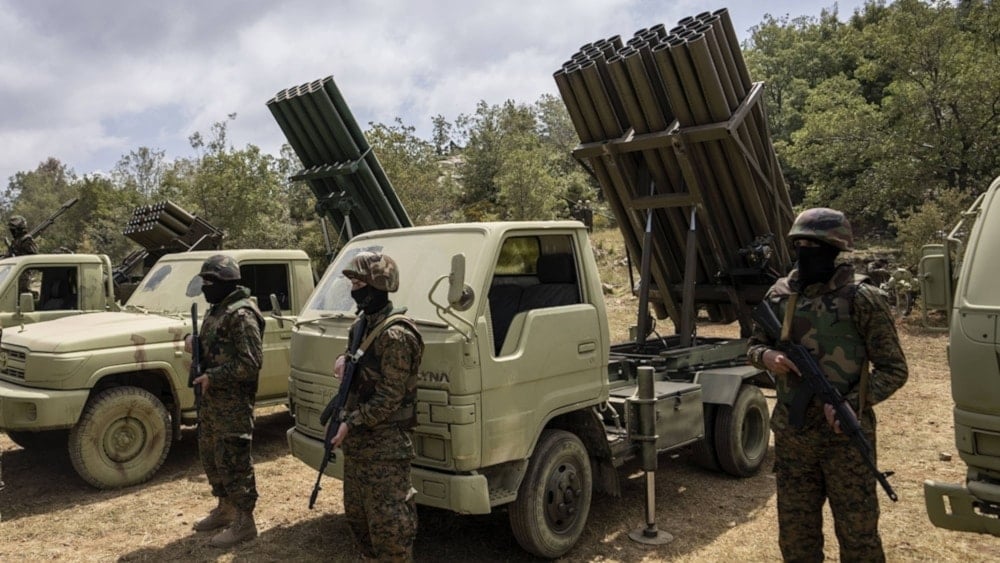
[(241, 530), (220, 517)]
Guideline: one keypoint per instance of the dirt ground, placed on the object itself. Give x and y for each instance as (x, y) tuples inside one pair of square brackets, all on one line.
[(48, 512)]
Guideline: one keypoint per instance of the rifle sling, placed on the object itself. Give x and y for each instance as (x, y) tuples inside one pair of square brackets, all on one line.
[(403, 414)]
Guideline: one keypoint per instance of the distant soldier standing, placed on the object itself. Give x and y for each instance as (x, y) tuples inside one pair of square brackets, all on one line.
[(22, 242), (376, 428), (846, 323), (232, 354)]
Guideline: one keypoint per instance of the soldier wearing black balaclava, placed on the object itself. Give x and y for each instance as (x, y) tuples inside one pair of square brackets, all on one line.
[(846, 324)]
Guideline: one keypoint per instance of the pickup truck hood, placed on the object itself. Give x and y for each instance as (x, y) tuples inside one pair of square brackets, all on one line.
[(92, 331)]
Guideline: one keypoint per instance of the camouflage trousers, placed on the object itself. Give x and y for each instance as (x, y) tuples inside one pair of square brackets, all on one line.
[(380, 507), (226, 457), (814, 465)]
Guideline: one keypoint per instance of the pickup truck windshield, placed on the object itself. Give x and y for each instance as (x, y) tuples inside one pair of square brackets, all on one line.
[(422, 259), (170, 287), (5, 271)]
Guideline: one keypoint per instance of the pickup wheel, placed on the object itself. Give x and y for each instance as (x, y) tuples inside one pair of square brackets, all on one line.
[(44, 440), (742, 432), (554, 497), (121, 439)]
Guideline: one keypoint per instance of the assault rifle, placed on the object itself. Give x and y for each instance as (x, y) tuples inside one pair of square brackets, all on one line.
[(195, 370), (44, 224), (816, 383), (330, 417)]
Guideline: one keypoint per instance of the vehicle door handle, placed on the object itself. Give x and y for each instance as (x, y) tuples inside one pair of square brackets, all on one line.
[(586, 347)]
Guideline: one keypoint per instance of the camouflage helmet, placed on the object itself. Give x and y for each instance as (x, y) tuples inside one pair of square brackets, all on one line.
[(220, 268), (823, 224), (17, 223), (375, 269)]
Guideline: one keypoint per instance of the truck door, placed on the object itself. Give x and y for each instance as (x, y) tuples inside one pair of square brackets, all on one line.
[(544, 352), (263, 280), (54, 290)]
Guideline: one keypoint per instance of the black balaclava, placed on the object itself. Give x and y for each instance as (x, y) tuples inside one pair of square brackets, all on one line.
[(816, 264), (369, 299), (217, 290)]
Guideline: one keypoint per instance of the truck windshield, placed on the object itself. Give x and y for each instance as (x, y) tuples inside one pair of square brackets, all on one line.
[(983, 269), (170, 287), (422, 259), (5, 271)]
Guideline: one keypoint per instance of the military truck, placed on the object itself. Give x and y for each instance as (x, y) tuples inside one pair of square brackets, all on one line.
[(523, 402), (112, 386), (960, 276), (42, 287)]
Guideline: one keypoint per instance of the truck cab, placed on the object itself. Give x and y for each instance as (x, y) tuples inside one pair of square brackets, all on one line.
[(42, 287), (968, 291)]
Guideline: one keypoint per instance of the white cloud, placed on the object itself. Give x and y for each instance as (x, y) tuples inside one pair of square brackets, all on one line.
[(87, 82)]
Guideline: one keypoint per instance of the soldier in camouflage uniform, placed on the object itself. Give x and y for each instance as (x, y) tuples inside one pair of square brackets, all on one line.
[(846, 324), (23, 243), (376, 428), (231, 357)]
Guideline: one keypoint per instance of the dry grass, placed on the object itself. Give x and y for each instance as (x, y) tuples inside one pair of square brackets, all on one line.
[(49, 513)]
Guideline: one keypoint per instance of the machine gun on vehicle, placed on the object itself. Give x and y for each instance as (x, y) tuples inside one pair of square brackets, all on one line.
[(39, 228)]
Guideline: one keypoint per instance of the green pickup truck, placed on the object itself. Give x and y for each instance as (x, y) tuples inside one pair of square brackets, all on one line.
[(112, 386)]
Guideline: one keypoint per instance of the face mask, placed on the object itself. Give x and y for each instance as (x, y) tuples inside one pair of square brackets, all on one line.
[(816, 264), (369, 299), (217, 291)]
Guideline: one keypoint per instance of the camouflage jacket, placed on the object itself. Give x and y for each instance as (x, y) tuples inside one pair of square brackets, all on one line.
[(232, 352), (23, 245), (380, 405), (873, 326)]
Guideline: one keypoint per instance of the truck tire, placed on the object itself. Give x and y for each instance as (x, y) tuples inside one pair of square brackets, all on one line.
[(742, 432), (553, 500), (121, 439), (44, 440), (703, 451)]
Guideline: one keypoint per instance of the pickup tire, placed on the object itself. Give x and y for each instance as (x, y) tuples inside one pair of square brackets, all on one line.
[(553, 501), (742, 432), (121, 439), (44, 440)]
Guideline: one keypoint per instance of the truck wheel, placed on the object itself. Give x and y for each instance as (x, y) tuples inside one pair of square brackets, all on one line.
[(554, 497), (703, 451), (121, 439), (44, 440), (742, 432)]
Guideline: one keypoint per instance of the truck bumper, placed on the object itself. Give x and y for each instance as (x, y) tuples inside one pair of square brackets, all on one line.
[(26, 408), (962, 515), (465, 494)]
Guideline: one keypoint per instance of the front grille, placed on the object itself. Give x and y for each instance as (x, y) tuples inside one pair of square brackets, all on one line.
[(12, 363)]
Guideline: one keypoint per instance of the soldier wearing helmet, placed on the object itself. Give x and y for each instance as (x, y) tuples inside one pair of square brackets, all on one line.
[(231, 357), (22, 242), (376, 428), (845, 322)]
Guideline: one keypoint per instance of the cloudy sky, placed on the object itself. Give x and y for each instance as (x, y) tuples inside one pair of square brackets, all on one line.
[(86, 82)]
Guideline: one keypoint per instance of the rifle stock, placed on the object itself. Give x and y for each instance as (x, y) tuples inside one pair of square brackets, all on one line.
[(816, 383), (330, 417), (195, 370)]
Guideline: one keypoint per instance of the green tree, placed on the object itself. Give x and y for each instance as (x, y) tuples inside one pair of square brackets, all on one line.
[(412, 165), (141, 171), (37, 194)]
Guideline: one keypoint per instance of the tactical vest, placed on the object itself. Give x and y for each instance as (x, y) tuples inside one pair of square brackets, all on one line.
[(209, 332), (823, 324), (370, 370)]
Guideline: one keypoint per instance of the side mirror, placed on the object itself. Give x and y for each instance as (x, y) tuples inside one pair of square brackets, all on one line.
[(26, 303), (460, 296), (276, 311)]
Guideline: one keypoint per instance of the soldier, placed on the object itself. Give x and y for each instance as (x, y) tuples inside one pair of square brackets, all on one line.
[(231, 357), (376, 428), (846, 324), (23, 243)]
